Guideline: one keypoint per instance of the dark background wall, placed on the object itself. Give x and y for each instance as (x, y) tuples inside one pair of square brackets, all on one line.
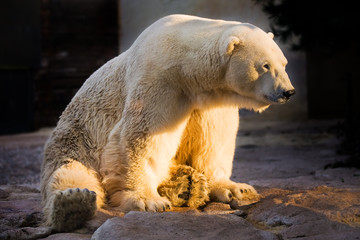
[(19, 60), (333, 84), (48, 49)]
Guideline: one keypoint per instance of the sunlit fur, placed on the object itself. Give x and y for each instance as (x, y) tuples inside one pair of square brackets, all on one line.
[(168, 104)]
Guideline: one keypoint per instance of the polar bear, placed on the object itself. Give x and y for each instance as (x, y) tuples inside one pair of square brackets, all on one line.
[(155, 127)]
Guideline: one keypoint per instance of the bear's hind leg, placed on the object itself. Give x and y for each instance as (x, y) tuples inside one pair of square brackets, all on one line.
[(71, 208), (73, 195)]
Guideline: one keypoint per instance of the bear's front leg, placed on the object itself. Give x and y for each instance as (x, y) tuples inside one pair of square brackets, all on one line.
[(212, 134), (131, 174), (136, 160)]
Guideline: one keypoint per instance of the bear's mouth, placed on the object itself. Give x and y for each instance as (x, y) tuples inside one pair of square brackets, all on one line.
[(276, 99)]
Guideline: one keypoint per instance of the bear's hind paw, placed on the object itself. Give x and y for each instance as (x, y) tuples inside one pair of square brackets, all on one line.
[(186, 187), (72, 207)]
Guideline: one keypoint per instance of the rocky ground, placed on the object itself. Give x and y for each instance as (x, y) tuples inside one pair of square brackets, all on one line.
[(285, 161)]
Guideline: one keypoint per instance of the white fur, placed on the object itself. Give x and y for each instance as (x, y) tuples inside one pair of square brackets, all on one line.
[(171, 99)]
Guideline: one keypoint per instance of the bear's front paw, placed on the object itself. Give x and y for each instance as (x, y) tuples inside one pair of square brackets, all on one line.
[(72, 207), (226, 191), (134, 201)]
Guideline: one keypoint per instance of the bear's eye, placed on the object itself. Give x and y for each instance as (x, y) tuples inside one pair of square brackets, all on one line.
[(266, 66)]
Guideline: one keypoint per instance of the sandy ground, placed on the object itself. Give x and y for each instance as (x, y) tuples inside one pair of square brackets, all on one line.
[(21, 157)]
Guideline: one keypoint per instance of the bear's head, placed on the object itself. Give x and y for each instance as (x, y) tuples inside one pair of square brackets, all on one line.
[(255, 66)]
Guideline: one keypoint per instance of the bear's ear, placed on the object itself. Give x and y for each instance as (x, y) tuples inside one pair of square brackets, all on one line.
[(271, 35), (232, 44)]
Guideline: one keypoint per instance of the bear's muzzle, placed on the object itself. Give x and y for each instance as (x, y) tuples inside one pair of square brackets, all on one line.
[(289, 93)]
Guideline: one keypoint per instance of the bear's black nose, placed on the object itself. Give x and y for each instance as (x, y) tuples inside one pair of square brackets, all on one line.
[(289, 93)]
